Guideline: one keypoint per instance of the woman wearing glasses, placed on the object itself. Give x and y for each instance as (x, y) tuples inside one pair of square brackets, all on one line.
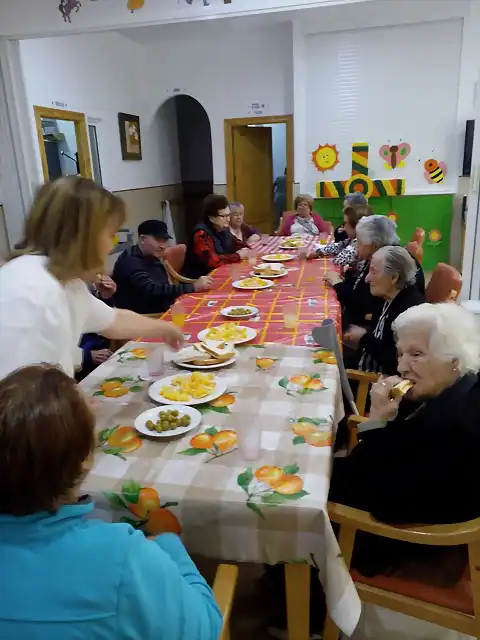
[(211, 244)]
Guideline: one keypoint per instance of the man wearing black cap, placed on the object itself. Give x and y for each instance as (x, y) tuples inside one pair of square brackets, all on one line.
[(142, 281)]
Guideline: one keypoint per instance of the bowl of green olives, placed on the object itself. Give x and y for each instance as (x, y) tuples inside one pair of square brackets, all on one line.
[(169, 421)]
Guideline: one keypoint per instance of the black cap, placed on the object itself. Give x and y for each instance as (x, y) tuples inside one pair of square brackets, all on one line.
[(155, 228)]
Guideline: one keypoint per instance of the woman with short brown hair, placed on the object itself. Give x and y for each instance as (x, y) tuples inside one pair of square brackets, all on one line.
[(305, 222), (65, 575), (344, 253), (45, 305)]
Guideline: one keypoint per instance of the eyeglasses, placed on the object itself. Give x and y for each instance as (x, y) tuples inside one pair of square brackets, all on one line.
[(223, 215)]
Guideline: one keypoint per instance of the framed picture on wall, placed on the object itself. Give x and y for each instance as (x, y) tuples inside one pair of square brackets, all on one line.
[(130, 136)]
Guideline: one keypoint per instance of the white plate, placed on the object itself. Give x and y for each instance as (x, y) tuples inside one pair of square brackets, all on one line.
[(155, 388), (253, 312), (152, 414), (251, 334), (280, 274), (286, 246), (270, 257), (199, 367), (237, 285)]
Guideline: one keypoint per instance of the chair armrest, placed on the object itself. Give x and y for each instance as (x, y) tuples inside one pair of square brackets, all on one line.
[(354, 374), (224, 591), (176, 276), (354, 421), (435, 535)]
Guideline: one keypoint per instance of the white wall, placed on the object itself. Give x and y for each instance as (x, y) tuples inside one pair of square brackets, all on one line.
[(337, 23), (225, 70), (101, 75), (363, 88)]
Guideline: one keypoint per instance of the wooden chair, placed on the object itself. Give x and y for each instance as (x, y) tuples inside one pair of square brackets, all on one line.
[(445, 284), (175, 255), (364, 380), (224, 592), (174, 276), (418, 236), (416, 250), (456, 608)]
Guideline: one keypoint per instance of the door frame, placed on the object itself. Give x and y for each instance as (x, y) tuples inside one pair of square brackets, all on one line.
[(80, 133), (232, 123)]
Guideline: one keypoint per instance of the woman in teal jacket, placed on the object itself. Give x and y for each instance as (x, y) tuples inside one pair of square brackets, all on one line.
[(66, 576)]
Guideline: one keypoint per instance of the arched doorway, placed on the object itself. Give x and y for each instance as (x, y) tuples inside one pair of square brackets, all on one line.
[(189, 136)]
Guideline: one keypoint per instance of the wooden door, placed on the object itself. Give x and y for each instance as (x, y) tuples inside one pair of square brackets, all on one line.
[(253, 175)]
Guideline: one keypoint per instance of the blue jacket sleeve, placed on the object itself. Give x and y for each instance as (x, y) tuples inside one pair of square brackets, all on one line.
[(162, 594)]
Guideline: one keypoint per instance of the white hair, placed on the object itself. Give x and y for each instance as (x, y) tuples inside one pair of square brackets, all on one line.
[(397, 261), (454, 333), (377, 230)]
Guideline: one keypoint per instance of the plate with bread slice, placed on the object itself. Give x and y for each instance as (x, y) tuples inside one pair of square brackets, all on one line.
[(210, 354)]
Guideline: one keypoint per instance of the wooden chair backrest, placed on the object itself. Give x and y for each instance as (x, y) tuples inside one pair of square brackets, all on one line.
[(175, 277), (353, 520), (176, 256), (418, 236), (445, 284), (416, 250), (224, 592)]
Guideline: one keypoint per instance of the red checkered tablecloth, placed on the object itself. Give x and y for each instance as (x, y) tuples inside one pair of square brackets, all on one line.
[(303, 286)]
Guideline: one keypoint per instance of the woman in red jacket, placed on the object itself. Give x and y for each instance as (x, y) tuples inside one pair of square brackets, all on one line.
[(211, 243), (305, 222)]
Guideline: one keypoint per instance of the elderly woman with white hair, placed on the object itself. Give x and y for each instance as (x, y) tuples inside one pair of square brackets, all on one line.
[(358, 303), (391, 277), (418, 459)]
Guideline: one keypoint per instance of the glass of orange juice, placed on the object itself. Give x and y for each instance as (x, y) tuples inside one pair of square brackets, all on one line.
[(290, 315), (324, 238), (178, 315)]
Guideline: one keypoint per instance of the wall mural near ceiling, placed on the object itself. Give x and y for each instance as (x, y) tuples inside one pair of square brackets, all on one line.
[(359, 181), (135, 5), (395, 154), (67, 6)]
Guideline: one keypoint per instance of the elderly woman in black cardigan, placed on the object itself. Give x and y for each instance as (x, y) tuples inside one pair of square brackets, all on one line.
[(418, 459), (391, 278), (358, 303)]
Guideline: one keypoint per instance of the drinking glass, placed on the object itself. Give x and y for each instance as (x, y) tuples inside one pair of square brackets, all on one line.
[(290, 315), (178, 315), (324, 238), (252, 258), (155, 364)]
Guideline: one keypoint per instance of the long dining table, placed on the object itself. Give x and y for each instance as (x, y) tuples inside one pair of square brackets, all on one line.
[(269, 510)]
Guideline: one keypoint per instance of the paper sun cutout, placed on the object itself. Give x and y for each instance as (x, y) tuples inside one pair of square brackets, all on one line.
[(325, 157)]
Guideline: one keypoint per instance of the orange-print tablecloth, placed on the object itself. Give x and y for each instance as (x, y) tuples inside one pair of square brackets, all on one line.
[(303, 286), (271, 510)]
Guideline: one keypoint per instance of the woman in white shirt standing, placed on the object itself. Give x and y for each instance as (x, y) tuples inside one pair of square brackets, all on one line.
[(45, 305)]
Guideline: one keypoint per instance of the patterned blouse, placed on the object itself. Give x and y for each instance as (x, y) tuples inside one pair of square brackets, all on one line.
[(345, 252)]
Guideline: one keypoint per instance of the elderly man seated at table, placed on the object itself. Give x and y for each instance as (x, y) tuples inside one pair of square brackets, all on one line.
[(391, 277), (142, 281), (353, 291), (244, 235), (305, 222), (418, 460), (65, 576), (211, 244)]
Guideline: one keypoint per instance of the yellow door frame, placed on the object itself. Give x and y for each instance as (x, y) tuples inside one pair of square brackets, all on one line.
[(229, 126), (80, 133)]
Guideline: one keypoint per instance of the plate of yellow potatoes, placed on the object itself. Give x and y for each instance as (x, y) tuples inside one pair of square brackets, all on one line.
[(187, 389), (229, 332), (292, 243), (164, 423), (270, 270), (278, 257), (252, 284)]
